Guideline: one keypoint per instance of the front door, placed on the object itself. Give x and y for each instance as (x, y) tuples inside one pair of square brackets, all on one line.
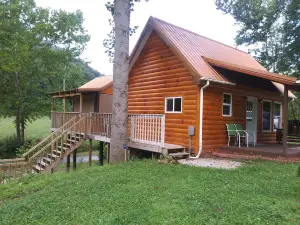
[(251, 117)]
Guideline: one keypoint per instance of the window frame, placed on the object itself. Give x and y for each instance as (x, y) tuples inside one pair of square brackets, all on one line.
[(280, 124), (262, 116), (173, 98), (230, 105)]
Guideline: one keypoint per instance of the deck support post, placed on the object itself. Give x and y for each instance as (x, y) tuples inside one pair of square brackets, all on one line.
[(74, 159), (108, 152), (285, 119), (68, 163), (90, 152), (101, 153)]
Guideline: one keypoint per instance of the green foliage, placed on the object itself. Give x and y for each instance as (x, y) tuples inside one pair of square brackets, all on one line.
[(109, 42), (298, 171), (145, 192), (8, 146), (29, 143), (271, 28), (37, 48)]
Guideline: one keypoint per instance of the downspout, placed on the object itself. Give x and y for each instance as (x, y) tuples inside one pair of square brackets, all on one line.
[(201, 120)]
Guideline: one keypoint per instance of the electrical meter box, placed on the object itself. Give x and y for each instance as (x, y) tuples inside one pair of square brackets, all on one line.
[(191, 130)]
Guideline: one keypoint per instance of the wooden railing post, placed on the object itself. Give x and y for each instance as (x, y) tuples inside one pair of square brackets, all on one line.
[(163, 131), (132, 128)]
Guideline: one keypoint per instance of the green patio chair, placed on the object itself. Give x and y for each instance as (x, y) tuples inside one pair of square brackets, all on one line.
[(231, 132), (242, 134)]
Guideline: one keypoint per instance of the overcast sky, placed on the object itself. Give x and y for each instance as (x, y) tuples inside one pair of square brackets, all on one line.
[(199, 16)]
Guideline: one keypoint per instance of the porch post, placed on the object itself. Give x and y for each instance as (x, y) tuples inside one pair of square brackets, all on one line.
[(64, 105), (52, 105), (285, 119), (80, 103)]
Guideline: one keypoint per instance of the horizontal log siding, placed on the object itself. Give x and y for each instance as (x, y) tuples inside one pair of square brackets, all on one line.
[(214, 124), (158, 74)]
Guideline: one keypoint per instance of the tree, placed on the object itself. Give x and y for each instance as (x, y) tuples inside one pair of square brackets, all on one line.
[(37, 47), (117, 46), (271, 29)]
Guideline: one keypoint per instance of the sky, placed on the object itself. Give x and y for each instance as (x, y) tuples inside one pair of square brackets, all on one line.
[(200, 16)]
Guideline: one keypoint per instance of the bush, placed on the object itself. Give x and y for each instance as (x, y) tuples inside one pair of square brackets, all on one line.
[(298, 171), (8, 147), (27, 146)]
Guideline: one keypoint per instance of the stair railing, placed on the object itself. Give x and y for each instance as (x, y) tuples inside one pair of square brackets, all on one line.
[(60, 139), (48, 139), (10, 168)]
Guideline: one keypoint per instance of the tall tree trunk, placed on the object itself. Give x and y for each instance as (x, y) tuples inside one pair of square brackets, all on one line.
[(120, 71), (22, 123), (18, 129)]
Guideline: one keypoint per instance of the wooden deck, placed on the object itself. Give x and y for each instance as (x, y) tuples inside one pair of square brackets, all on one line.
[(266, 149), (145, 131)]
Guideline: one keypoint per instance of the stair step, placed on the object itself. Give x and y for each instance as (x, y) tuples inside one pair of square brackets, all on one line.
[(74, 137), (43, 164), (67, 144), (64, 148), (179, 154), (47, 160), (37, 168), (70, 140), (53, 156), (79, 134), (56, 152)]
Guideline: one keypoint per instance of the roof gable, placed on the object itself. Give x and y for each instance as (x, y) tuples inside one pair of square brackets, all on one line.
[(193, 49)]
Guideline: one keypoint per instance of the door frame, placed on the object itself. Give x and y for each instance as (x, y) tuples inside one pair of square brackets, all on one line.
[(254, 99)]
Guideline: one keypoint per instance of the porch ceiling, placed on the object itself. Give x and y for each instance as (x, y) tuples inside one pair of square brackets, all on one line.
[(274, 77)]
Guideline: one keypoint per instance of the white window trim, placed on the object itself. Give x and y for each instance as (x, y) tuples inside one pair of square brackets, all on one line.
[(279, 103), (230, 109), (262, 116), (173, 104)]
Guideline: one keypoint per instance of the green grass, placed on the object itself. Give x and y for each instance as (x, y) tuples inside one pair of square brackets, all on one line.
[(145, 192), (38, 128)]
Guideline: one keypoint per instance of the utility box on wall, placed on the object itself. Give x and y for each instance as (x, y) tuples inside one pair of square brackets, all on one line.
[(191, 130)]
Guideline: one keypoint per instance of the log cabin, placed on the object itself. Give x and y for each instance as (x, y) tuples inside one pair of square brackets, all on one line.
[(183, 89)]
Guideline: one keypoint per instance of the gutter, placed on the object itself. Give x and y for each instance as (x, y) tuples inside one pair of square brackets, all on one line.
[(218, 81), (201, 121)]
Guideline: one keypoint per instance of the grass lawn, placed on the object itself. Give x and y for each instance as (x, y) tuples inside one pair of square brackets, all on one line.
[(38, 128), (144, 192)]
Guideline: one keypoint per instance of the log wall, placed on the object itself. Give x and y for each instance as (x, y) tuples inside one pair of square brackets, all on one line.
[(214, 124), (158, 74)]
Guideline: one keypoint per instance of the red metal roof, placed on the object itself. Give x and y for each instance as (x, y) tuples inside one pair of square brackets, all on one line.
[(201, 53)]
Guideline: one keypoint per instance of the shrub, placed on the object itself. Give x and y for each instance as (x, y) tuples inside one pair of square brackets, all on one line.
[(8, 147), (27, 145), (298, 171)]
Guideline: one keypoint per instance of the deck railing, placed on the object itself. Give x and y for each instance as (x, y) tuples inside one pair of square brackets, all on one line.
[(100, 124), (60, 118), (147, 129), (142, 128)]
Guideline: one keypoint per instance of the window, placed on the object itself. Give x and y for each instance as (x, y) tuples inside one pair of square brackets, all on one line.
[(249, 111), (277, 115), (173, 105), (266, 117), (227, 104)]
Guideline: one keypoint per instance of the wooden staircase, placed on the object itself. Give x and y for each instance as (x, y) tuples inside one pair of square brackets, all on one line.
[(176, 152), (47, 154), (53, 159)]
